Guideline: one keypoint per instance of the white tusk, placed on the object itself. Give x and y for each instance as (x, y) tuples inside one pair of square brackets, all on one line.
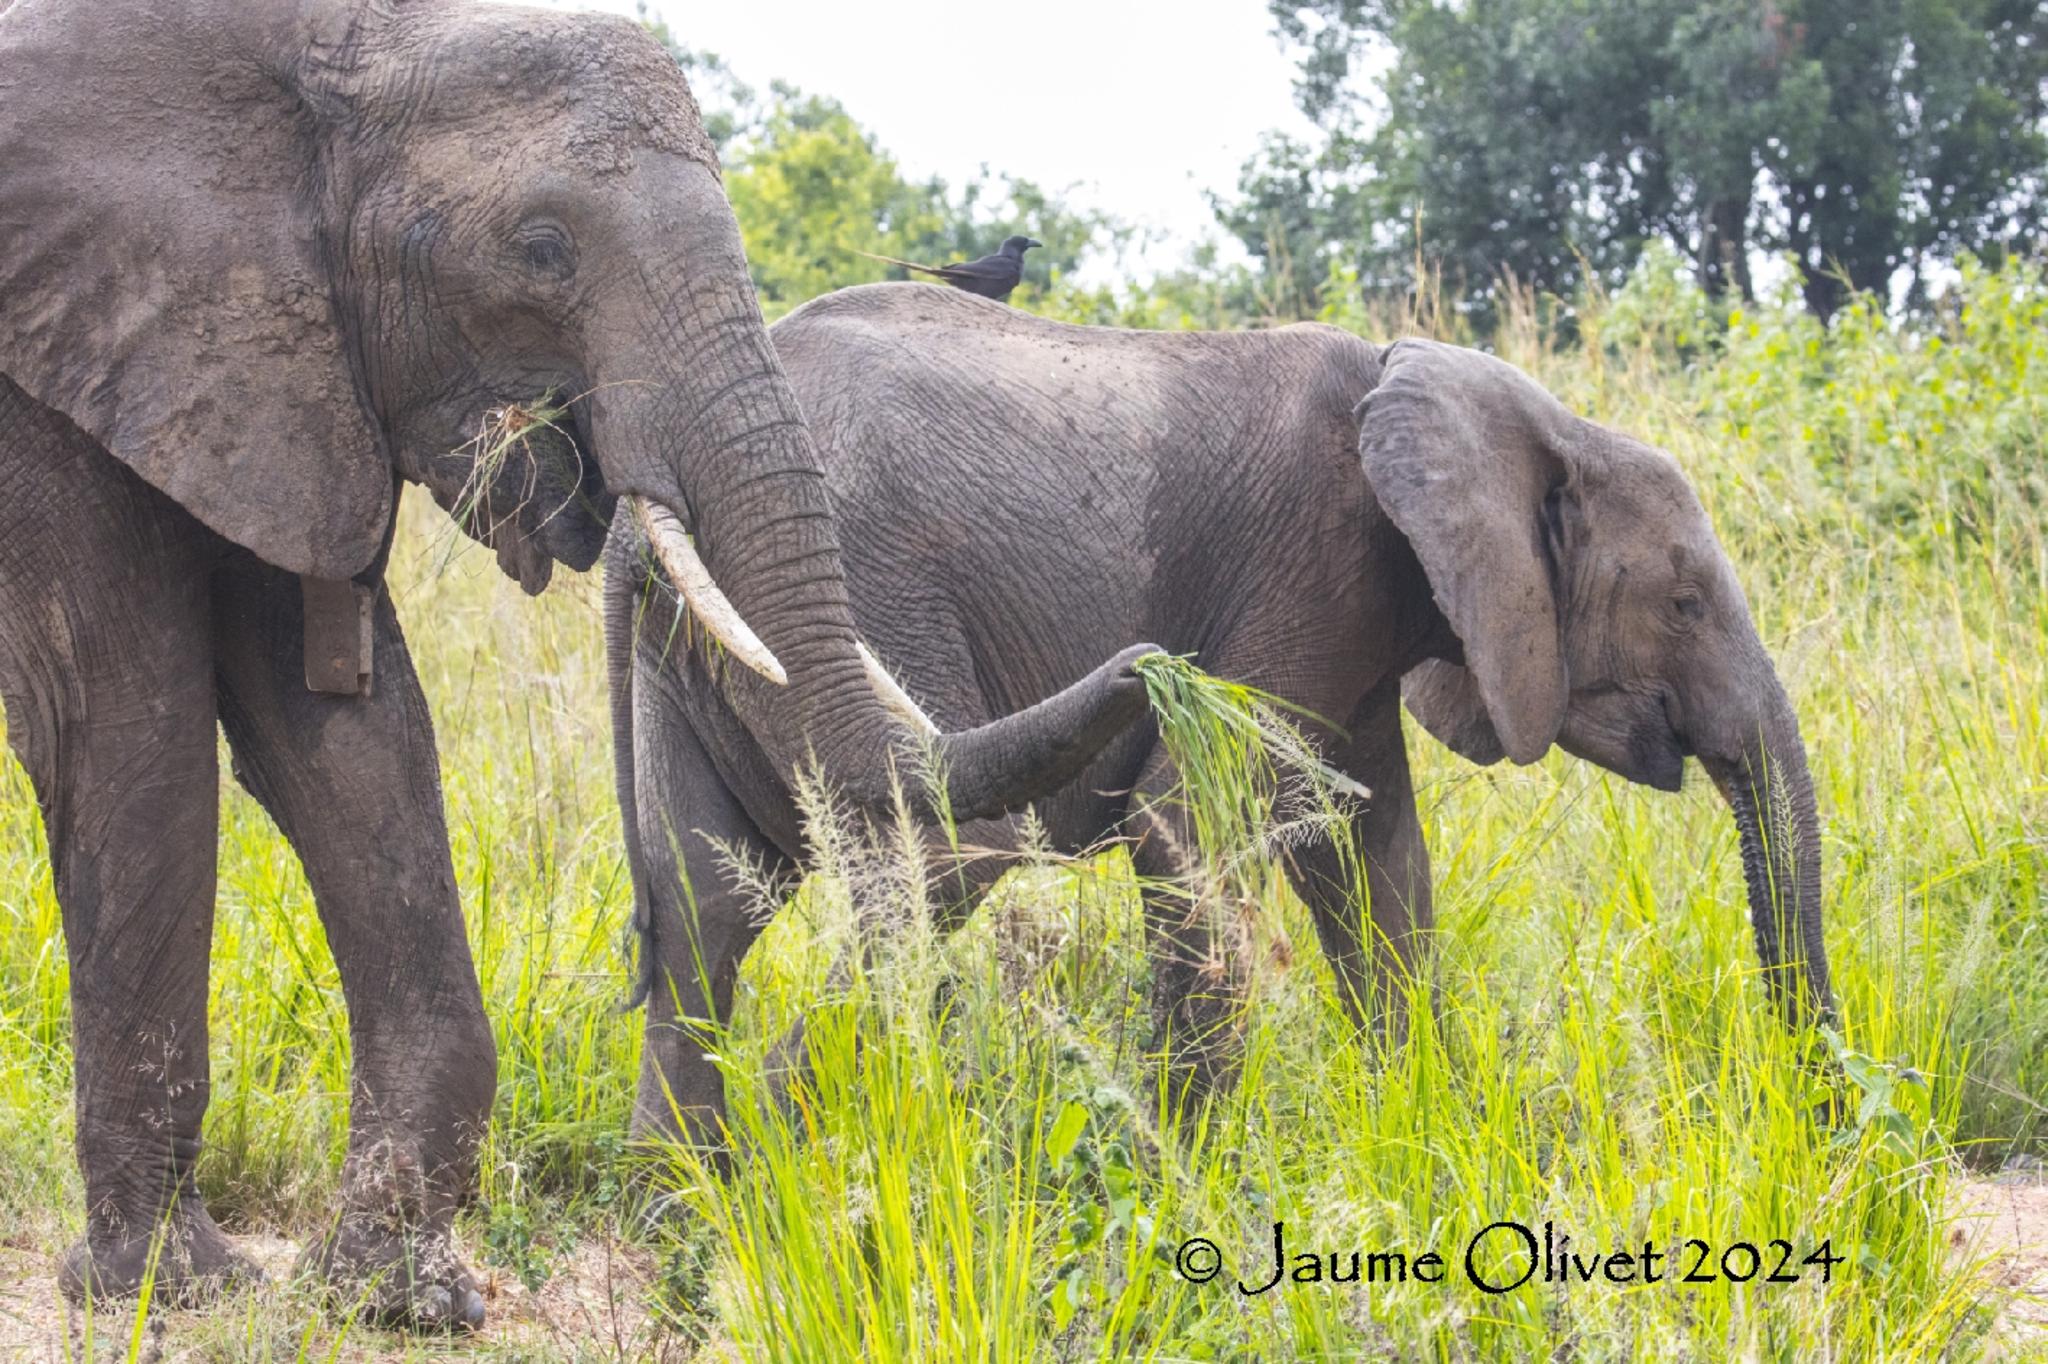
[(686, 572), (892, 694)]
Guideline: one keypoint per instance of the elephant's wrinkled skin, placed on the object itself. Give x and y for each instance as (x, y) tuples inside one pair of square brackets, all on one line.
[(259, 263), (1019, 493)]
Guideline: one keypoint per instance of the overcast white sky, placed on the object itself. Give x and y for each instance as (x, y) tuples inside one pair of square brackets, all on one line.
[(1137, 105)]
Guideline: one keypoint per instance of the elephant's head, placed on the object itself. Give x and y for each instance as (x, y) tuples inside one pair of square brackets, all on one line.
[(1594, 609), (271, 255)]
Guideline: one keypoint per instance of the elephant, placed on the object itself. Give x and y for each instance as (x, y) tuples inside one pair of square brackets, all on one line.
[(261, 265), (1342, 524)]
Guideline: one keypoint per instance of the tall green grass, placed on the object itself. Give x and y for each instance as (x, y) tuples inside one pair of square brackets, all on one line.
[(994, 1179)]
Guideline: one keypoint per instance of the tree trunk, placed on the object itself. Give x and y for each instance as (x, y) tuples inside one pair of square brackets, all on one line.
[(1724, 248)]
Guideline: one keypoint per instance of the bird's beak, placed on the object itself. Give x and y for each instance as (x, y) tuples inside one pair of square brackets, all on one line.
[(1038, 244)]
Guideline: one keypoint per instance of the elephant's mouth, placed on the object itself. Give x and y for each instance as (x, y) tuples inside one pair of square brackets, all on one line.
[(1658, 755), (1631, 730), (530, 492), (522, 559)]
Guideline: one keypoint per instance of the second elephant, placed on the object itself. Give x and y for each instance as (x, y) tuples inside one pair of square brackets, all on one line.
[(1019, 495)]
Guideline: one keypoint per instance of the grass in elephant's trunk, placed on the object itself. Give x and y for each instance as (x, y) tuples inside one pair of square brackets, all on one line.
[(1251, 783), (1242, 759)]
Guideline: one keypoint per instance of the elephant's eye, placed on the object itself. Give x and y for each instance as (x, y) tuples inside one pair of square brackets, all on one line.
[(1689, 606), (546, 250)]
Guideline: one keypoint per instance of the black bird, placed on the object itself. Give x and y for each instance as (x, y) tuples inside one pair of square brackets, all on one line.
[(990, 276)]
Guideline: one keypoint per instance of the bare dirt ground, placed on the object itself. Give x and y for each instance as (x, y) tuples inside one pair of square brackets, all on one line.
[(593, 1307), (2001, 1225)]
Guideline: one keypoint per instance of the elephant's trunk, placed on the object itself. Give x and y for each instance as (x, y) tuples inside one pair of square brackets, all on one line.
[(695, 415), (1770, 793)]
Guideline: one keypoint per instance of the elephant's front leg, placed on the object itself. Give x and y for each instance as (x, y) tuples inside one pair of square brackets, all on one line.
[(1195, 1003), (131, 802), (699, 925), (1375, 934), (106, 667), (354, 782)]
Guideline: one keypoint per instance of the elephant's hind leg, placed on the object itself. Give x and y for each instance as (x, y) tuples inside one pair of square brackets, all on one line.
[(354, 783), (106, 669)]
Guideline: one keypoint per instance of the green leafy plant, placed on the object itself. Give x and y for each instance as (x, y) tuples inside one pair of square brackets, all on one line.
[(1103, 1217), (1883, 1086)]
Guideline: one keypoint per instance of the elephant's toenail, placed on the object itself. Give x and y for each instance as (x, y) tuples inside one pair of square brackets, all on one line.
[(435, 1307)]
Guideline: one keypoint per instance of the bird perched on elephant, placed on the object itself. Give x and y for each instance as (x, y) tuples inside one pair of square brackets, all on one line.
[(1328, 519), (259, 265), (993, 276)]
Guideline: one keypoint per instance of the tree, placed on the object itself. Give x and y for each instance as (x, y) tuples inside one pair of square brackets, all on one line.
[(1300, 215), (813, 189), (811, 192), (1553, 137), (1928, 139)]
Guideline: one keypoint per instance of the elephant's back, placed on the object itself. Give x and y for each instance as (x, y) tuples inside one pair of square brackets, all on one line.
[(909, 352), (1027, 469), (960, 421), (980, 328)]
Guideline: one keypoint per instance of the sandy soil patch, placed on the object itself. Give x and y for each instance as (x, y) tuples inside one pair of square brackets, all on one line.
[(593, 1307), (2001, 1225)]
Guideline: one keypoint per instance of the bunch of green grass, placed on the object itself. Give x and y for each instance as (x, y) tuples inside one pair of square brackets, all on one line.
[(1250, 783), (1249, 777)]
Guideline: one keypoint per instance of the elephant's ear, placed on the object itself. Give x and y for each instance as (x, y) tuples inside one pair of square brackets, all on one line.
[(1446, 700), (161, 281), (1463, 451)]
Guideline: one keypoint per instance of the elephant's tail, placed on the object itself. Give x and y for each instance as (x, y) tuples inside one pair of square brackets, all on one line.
[(620, 580)]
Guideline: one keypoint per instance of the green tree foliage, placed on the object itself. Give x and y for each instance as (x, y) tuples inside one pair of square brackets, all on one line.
[(1301, 213), (813, 190), (1552, 138)]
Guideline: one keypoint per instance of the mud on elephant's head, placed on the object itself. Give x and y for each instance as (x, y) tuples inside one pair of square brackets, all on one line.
[(275, 256), (1593, 609)]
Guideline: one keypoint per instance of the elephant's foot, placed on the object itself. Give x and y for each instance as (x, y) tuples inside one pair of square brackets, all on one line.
[(658, 1122), (681, 1099), (409, 1280), (185, 1258)]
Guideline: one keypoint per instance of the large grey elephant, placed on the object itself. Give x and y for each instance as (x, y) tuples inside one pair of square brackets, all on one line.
[(259, 263), (1019, 492)]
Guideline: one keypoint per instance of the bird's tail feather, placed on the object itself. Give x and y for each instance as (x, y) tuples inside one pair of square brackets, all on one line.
[(891, 260)]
